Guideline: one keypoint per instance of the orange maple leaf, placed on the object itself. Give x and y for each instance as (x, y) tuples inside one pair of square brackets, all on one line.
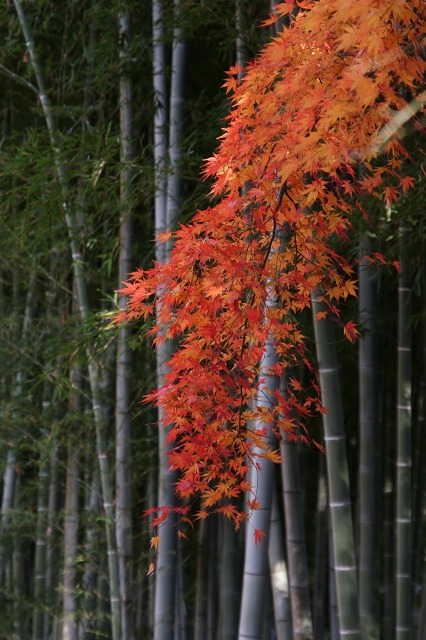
[(258, 536)]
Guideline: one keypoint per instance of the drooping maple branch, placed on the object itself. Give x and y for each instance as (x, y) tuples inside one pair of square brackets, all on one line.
[(296, 127)]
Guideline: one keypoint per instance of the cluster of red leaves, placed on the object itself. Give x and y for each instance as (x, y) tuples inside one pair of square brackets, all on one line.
[(309, 109)]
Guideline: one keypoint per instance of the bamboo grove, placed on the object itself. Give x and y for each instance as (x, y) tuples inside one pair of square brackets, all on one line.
[(272, 485)]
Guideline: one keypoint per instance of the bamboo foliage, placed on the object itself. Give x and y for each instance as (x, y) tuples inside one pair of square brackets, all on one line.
[(83, 306)]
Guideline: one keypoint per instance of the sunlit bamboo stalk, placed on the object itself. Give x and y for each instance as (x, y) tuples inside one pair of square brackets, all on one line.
[(279, 575)]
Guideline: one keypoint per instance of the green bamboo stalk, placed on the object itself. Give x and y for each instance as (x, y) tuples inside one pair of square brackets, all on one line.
[(240, 45), (212, 581), (321, 536), (387, 619), (87, 621), (83, 305), (332, 587), (123, 459), (295, 536), (229, 581), (368, 508), (51, 551), (201, 584), (18, 580), (404, 623), (180, 629), (422, 614), (164, 602), (41, 526), (9, 476), (167, 155), (338, 475), (419, 498), (71, 517)]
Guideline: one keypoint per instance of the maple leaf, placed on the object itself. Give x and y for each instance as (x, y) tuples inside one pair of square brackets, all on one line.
[(295, 384), (280, 10), (406, 182), (258, 535), (181, 534), (320, 315), (350, 331), (273, 456), (253, 504), (154, 542), (163, 237)]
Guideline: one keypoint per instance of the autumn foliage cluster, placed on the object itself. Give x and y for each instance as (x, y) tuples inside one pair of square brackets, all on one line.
[(315, 126)]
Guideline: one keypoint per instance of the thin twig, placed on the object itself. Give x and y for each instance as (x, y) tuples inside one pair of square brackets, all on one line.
[(14, 76)]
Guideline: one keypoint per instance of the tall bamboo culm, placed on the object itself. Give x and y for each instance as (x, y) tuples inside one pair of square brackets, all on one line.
[(404, 623), (123, 430), (369, 397), (295, 535), (256, 577), (338, 475)]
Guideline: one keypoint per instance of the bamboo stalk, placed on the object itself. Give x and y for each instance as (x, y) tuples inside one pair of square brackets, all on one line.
[(71, 518), (9, 475), (201, 584), (368, 448), (256, 565), (279, 576), (167, 201), (87, 626), (49, 622), (124, 529), (404, 621), (338, 475), (295, 536), (229, 581), (164, 602), (321, 554), (41, 527)]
